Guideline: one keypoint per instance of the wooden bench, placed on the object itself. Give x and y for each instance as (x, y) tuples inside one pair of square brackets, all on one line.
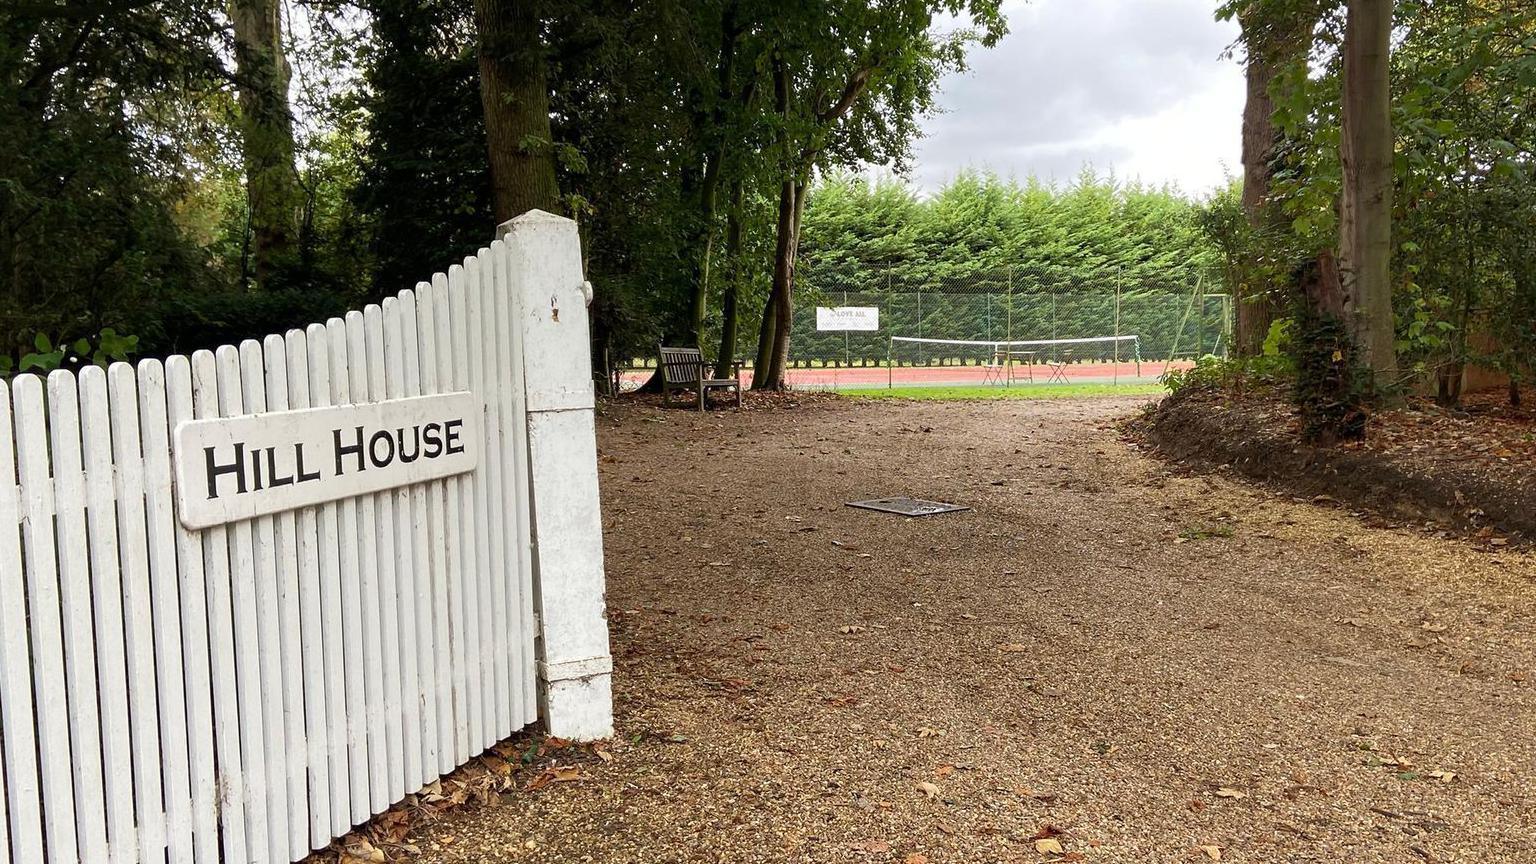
[(685, 369)]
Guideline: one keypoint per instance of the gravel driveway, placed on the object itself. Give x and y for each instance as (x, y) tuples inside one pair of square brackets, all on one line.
[(1102, 656)]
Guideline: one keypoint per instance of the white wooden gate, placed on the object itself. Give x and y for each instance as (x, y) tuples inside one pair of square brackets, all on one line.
[(247, 692)]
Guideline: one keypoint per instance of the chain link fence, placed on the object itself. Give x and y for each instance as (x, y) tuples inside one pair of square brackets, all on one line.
[(1172, 321)]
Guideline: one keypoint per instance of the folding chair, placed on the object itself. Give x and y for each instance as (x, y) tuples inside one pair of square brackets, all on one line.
[(1058, 367)]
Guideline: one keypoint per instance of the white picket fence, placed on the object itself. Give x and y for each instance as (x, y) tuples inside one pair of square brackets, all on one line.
[(248, 692)]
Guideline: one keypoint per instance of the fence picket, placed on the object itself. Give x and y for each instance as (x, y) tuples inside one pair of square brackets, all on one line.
[(291, 551), (255, 697), (404, 739), (468, 377), (85, 727), (46, 613), (99, 567), (137, 606), (414, 498), (514, 452), (18, 746), (180, 620), (269, 640), (208, 632), (327, 382), (349, 375), (105, 586), (459, 561), (5, 821), (518, 455), (312, 387), (444, 591), (496, 523), (406, 572)]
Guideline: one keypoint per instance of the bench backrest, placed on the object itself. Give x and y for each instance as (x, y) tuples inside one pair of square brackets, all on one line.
[(681, 365)]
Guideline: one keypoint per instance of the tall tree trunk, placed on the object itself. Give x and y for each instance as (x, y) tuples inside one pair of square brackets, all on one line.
[(1365, 208), (784, 313), (710, 131), (515, 97), (1256, 306), (266, 135), (768, 370), (729, 314), (702, 249)]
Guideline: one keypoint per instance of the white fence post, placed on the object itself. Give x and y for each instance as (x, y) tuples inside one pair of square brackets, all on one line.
[(550, 314)]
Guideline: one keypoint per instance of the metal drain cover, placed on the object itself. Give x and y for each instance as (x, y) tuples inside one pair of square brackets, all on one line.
[(907, 506)]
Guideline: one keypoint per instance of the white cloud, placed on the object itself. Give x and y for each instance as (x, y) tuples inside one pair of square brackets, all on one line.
[(1138, 87)]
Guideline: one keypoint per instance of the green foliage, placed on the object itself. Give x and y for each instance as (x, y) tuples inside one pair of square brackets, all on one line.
[(1279, 340), (47, 355), (1464, 226), (1091, 233), (1211, 373)]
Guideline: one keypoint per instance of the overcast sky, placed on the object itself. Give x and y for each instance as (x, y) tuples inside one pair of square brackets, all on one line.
[(1134, 86)]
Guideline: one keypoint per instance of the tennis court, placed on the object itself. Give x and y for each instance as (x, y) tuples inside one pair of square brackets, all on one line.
[(844, 377)]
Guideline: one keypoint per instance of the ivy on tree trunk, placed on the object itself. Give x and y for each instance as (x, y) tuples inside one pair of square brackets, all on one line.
[(266, 137), (515, 96)]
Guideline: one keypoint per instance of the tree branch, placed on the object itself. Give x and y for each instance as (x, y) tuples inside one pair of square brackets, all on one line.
[(851, 92)]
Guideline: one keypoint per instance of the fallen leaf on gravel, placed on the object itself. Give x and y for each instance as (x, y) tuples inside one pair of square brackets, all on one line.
[(1047, 830), (1443, 776), (929, 790), (916, 858), (851, 628), (360, 851), (944, 770), (1229, 792), (1013, 648), (1049, 844), (555, 774), (946, 828), (929, 732), (1211, 852)]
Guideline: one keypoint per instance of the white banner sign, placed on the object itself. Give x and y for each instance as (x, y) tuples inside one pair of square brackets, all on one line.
[(234, 468), (848, 318)]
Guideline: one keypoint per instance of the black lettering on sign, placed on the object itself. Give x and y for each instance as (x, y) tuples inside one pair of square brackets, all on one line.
[(373, 449), (343, 450), (298, 458), (416, 444), (272, 479), (451, 431), (236, 468), (433, 437)]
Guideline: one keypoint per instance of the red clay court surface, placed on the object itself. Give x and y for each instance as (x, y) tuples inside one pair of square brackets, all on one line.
[(940, 376)]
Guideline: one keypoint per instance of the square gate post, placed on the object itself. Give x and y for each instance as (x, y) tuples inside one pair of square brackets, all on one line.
[(549, 302)]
